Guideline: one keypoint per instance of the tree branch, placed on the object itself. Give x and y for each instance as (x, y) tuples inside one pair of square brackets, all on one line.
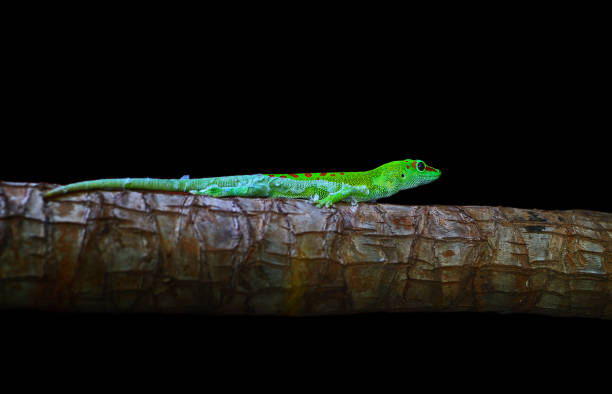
[(126, 251)]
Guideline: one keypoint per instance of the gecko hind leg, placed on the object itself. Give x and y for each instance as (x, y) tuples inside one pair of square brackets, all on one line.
[(234, 191)]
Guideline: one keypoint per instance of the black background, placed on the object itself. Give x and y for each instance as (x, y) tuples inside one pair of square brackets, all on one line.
[(513, 111), (512, 117)]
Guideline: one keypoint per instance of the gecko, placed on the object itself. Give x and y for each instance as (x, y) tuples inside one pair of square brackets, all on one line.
[(322, 188)]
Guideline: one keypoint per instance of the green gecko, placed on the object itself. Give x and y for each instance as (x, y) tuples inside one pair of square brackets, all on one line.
[(323, 188)]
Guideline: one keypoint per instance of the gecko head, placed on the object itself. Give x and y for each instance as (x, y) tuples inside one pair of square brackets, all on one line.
[(413, 173)]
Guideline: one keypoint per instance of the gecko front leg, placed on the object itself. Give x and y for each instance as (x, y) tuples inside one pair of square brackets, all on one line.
[(357, 192)]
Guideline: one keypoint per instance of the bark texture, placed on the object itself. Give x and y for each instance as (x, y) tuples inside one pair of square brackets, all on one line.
[(121, 251)]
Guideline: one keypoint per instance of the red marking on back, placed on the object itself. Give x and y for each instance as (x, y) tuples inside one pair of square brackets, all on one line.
[(342, 173), (294, 175), (414, 164), (408, 167), (323, 174), (428, 168), (308, 175), (317, 178), (272, 175), (283, 176), (332, 174)]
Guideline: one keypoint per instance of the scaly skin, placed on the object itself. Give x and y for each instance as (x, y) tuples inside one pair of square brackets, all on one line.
[(323, 188)]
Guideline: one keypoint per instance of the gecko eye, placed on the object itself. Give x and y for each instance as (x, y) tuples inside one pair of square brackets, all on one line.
[(403, 175), (420, 166)]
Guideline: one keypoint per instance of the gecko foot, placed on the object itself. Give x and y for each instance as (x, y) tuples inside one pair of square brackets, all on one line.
[(325, 202)]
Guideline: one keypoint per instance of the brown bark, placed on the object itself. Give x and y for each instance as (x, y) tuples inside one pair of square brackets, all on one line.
[(126, 251)]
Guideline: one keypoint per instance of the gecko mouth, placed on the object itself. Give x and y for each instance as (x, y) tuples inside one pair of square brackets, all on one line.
[(436, 174), (430, 178)]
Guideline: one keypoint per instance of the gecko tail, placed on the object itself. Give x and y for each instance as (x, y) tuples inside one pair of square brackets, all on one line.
[(174, 185)]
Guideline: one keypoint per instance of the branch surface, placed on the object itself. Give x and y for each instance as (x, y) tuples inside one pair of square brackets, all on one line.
[(127, 251)]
